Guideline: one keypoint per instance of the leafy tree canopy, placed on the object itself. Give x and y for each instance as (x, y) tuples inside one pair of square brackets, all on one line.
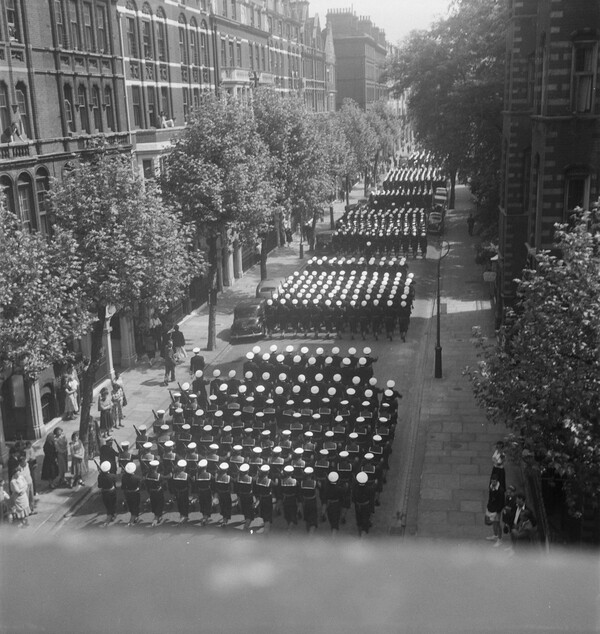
[(40, 301), (543, 379), (454, 77), (217, 171)]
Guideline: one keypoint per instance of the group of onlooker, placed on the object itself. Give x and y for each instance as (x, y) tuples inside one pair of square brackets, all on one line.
[(506, 511), (18, 503)]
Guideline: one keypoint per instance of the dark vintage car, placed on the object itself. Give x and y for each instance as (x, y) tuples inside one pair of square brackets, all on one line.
[(248, 319)]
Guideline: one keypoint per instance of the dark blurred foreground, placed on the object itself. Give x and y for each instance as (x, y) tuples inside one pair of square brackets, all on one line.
[(268, 586)]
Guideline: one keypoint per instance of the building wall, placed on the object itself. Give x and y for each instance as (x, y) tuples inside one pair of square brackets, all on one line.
[(551, 131), (361, 52)]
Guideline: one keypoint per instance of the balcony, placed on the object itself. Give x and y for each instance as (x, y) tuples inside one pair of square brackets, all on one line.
[(11, 151), (235, 76)]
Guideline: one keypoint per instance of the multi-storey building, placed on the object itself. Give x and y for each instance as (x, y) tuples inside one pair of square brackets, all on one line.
[(551, 130), (360, 52), (77, 74)]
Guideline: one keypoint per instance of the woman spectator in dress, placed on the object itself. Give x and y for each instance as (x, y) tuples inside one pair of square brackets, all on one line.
[(77, 455), (62, 455), (50, 463), (105, 407), (71, 389), (20, 500), (117, 401)]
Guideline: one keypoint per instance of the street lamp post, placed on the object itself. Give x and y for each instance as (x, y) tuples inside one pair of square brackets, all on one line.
[(438, 345)]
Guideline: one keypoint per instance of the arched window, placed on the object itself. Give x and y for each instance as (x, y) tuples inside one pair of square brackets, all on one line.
[(68, 103), (4, 107), (161, 35), (26, 205), (109, 108), (82, 103), (204, 44), (194, 47), (23, 103), (41, 194), (6, 187), (147, 32), (183, 49), (96, 105)]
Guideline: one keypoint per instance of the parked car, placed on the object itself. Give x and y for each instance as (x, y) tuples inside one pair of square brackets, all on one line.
[(248, 319), (435, 222), (267, 288)]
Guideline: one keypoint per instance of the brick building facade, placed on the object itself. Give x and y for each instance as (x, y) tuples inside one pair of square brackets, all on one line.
[(75, 74), (360, 52), (551, 129)]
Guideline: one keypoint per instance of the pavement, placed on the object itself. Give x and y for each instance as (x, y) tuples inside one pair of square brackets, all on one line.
[(450, 443)]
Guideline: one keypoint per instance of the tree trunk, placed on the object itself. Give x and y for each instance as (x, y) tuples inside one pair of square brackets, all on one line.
[(88, 378), (375, 166), (263, 258), (452, 189), (366, 187), (211, 344)]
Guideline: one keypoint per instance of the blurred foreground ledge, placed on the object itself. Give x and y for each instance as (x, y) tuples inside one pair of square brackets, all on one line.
[(185, 583)]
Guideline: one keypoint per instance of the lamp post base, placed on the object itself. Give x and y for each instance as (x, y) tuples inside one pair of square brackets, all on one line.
[(438, 362)]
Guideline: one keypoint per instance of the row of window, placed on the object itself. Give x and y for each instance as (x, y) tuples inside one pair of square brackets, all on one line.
[(152, 106), (17, 112), (147, 38), (27, 198), (77, 109)]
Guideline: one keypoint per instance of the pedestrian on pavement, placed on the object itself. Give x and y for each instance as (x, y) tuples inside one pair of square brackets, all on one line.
[(470, 224), (50, 463), (77, 452), (13, 459), (178, 339), (149, 343), (494, 509), (169, 356), (93, 439), (20, 500), (105, 407), (62, 456), (156, 328), (117, 404), (119, 381), (107, 483)]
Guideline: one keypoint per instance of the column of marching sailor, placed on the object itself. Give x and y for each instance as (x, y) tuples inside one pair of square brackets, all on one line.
[(302, 433)]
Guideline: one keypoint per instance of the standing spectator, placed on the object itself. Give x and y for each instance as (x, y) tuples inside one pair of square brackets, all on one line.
[(50, 463), (494, 509), (27, 475), (196, 362), (71, 390), (470, 224), (62, 455), (77, 455), (498, 458), (105, 407), (119, 380), (169, 355), (13, 459), (149, 345), (32, 462), (155, 325), (20, 500), (178, 340), (524, 531), (117, 404)]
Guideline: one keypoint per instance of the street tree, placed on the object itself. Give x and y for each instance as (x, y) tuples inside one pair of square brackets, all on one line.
[(360, 135), (217, 175), (128, 248), (541, 377), (386, 126), (40, 302), (299, 152), (453, 75)]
